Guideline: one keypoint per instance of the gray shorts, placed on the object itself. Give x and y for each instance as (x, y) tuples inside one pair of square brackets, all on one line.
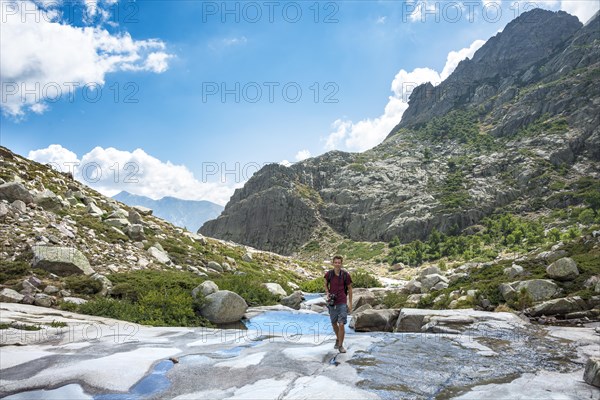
[(338, 313)]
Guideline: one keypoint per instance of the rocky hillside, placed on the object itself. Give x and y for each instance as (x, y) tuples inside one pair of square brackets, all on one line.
[(61, 239), (516, 129)]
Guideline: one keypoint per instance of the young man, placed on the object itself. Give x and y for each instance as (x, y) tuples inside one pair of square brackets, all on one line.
[(337, 282)]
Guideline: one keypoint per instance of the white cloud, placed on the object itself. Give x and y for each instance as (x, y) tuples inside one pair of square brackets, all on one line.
[(367, 133), (584, 10), (57, 155), (39, 108), (44, 58), (285, 163), (381, 20), (455, 57), (111, 171), (302, 155), (235, 41)]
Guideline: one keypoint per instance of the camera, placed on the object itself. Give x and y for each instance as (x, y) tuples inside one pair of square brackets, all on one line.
[(331, 299)]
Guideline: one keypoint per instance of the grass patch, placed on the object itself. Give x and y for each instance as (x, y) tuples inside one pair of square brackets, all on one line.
[(25, 327), (57, 324)]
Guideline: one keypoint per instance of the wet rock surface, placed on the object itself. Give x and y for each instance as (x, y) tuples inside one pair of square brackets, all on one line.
[(286, 354)]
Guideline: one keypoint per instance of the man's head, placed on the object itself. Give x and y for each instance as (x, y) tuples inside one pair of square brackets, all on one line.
[(337, 261)]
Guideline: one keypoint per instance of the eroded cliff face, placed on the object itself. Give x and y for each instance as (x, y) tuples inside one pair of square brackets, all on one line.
[(512, 129)]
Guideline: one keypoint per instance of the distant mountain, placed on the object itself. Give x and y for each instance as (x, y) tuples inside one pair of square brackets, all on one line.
[(188, 214)]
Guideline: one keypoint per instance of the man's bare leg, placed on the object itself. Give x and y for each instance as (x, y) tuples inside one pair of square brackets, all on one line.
[(335, 330), (340, 333)]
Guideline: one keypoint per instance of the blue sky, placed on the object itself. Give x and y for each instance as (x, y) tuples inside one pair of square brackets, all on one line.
[(160, 67)]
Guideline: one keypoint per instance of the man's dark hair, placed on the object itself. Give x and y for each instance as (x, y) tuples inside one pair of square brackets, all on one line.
[(338, 258)]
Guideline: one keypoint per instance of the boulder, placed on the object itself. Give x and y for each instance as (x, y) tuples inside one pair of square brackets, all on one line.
[(43, 300), (414, 299), (4, 210), (136, 232), (247, 257), (564, 269), (456, 276), (61, 260), (206, 288), (159, 255), (143, 210), (362, 308), (412, 287), (12, 191), (538, 289), (48, 200), (591, 375), (430, 271), (514, 271), (561, 306), (215, 266), (223, 307), (94, 210), (118, 223), (361, 297), (294, 300), (550, 256), (51, 289), (275, 289), (440, 286), (134, 218), (19, 206), (106, 283), (408, 322), (74, 300), (35, 281), (10, 296), (429, 281), (375, 320)]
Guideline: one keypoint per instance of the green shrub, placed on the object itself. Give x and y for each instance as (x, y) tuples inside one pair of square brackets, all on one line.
[(586, 217), (57, 324), (360, 250), (82, 284), (363, 279), (316, 285), (394, 300), (522, 301), (10, 270), (249, 287)]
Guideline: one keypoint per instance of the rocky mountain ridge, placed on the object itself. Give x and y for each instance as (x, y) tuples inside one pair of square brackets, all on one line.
[(188, 214), (509, 130)]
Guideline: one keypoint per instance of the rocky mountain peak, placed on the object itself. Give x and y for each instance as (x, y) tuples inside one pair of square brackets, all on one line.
[(503, 60), (516, 128)]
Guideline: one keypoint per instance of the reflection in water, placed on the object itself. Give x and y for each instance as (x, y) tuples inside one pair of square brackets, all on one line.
[(293, 324)]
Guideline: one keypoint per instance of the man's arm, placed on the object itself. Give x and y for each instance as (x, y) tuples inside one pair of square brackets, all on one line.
[(326, 288), (350, 298)]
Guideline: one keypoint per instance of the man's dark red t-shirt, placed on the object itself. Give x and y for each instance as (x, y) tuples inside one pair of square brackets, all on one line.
[(336, 285)]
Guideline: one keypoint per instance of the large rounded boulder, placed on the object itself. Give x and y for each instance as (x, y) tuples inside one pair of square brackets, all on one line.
[(224, 307), (564, 269)]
